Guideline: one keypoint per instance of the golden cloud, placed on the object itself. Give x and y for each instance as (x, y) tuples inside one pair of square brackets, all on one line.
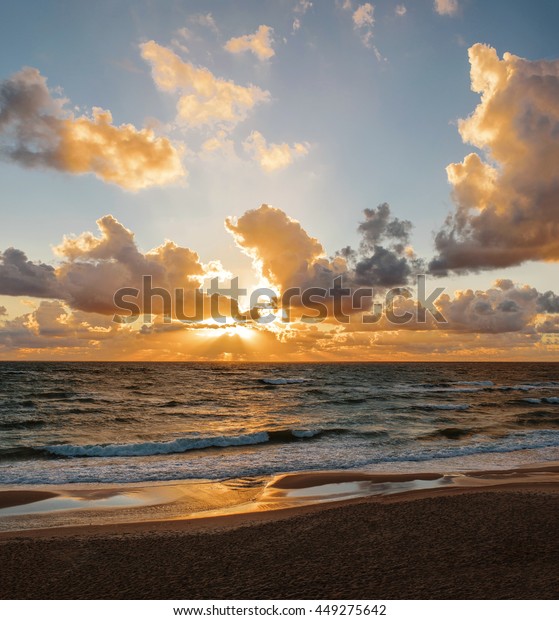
[(37, 131), (272, 157), (507, 208), (446, 7), (204, 98), (259, 43)]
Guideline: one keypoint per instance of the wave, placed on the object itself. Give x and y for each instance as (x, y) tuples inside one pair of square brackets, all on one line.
[(183, 444), (452, 432), (445, 407), (525, 387), (551, 400), (315, 456), (281, 381), (480, 383)]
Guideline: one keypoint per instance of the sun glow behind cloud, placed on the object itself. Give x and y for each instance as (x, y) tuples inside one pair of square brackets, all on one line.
[(251, 110)]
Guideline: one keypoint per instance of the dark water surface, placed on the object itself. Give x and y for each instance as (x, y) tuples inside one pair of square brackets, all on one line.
[(128, 422)]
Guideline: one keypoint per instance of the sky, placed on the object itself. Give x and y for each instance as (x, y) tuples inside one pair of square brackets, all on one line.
[(285, 143)]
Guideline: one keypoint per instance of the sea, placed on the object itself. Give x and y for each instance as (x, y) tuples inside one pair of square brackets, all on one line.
[(135, 422)]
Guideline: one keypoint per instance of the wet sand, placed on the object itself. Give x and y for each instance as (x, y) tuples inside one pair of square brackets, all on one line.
[(21, 498), (497, 537)]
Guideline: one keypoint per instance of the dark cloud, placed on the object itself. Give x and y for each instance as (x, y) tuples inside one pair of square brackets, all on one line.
[(548, 302), (383, 258), (20, 276)]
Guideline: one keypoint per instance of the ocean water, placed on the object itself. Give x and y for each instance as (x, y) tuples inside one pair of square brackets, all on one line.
[(133, 422)]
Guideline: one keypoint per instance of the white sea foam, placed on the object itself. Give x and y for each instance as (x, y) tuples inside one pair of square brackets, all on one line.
[(480, 383), (150, 448), (281, 381), (304, 433), (354, 452)]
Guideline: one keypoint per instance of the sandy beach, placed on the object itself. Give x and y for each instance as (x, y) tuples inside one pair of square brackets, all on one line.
[(494, 538)]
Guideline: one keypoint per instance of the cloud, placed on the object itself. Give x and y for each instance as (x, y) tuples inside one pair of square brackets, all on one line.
[(300, 9), (384, 257), (507, 320), (206, 20), (400, 10), (282, 251), (259, 43), (3, 311), (496, 310), (287, 256), (363, 21), (54, 327), (506, 307), (20, 276), (302, 6), (220, 143), (507, 209), (446, 7), (37, 131), (204, 98), (93, 268), (548, 302), (363, 15), (271, 156)]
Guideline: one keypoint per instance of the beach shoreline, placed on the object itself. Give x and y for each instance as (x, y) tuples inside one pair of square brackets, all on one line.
[(494, 535), (29, 510)]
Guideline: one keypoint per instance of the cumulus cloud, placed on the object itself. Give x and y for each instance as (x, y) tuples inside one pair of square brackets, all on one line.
[(287, 256), (446, 7), (52, 326), (400, 10), (492, 311), (37, 131), (204, 98), (384, 257), (77, 321), (506, 307), (20, 276), (548, 302), (282, 251), (93, 268), (507, 208), (259, 43), (272, 156)]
